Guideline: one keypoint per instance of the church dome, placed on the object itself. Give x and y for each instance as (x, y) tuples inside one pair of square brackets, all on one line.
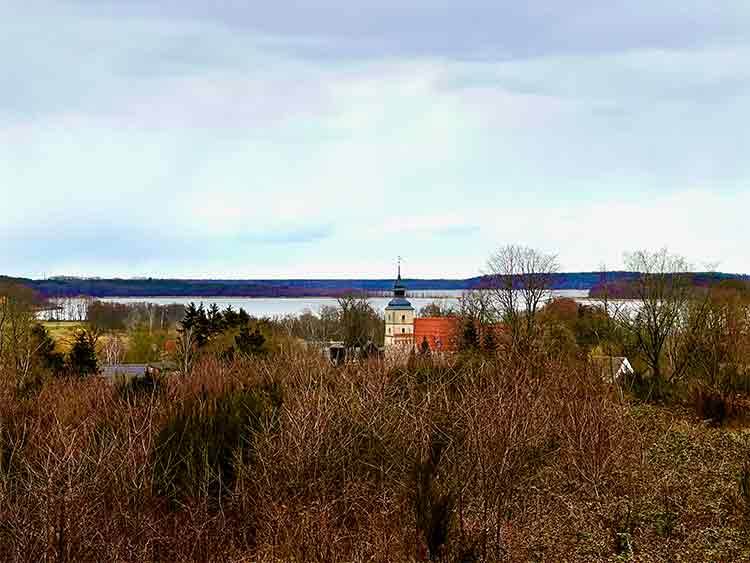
[(399, 300), (399, 303)]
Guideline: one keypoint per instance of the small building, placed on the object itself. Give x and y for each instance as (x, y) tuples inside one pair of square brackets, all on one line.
[(123, 370), (611, 368), (159, 368), (440, 333), (129, 371), (337, 353), (399, 317)]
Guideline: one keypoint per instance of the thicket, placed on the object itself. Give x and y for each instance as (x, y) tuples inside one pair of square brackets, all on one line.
[(291, 459)]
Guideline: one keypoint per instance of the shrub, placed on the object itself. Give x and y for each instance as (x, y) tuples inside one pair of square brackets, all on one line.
[(433, 507), (718, 406), (51, 360), (135, 387), (647, 389), (710, 405), (197, 449)]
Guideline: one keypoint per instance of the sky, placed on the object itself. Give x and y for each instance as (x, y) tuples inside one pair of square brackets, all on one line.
[(246, 139)]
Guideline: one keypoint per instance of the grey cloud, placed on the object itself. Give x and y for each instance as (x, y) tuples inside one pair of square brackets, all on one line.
[(128, 247), (473, 28), (149, 112)]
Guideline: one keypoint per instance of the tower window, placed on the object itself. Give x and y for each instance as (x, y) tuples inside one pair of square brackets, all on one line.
[(403, 330), (403, 318)]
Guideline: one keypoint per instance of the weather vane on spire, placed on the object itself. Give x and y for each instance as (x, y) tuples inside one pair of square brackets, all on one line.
[(399, 267)]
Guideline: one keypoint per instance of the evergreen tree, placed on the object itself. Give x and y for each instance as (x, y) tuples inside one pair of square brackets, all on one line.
[(249, 343), (82, 357), (242, 317), (424, 347), (50, 359), (190, 319), (202, 328), (214, 318), (231, 318)]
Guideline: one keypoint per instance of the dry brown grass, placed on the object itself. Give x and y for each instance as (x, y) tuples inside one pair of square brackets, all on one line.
[(528, 460)]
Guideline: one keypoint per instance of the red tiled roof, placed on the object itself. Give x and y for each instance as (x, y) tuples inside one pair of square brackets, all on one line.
[(441, 333)]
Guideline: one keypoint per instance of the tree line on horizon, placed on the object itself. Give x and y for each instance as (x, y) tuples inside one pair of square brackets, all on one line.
[(618, 280)]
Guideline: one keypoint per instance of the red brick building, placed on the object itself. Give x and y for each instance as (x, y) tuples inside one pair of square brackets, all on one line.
[(441, 333)]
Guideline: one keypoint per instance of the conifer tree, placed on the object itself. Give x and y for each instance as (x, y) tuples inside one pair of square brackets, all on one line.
[(242, 317), (190, 318), (231, 318), (202, 328), (249, 343), (82, 357), (214, 318)]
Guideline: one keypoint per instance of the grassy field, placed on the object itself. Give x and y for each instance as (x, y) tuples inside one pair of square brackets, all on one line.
[(63, 332)]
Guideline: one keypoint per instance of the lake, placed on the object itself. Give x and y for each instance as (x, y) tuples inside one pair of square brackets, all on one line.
[(282, 306)]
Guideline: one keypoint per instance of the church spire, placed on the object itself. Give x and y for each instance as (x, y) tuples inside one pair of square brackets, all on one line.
[(399, 290)]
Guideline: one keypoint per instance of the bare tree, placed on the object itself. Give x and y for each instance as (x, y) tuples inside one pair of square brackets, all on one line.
[(186, 351), (18, 344), (715, 333), (329, 317), (81, 308), (113, 349), (519, 280), (359, 322), (664, 291), (478, 305), (3, 320), (611, 309), (438, 308)]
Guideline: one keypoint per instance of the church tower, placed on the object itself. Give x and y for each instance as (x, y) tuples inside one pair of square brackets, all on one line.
[(399, 317)]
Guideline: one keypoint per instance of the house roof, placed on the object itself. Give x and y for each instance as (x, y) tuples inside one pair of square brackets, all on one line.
[(123, 369), (611, 367), (441, 333)]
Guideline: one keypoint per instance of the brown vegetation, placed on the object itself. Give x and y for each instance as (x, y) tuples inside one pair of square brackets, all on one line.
[(327, 465), (511, 450), (464, 461)]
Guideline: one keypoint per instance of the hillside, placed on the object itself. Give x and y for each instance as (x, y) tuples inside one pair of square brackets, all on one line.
[(96, 287)]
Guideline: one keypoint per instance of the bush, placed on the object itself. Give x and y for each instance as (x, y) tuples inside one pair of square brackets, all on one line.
[(719, 407), (135, 387), (647, 389), (197, 449), (710, 405), (433, 507)]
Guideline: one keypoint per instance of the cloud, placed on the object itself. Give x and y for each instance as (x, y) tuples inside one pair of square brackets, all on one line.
[(254, 140), (475, 28)]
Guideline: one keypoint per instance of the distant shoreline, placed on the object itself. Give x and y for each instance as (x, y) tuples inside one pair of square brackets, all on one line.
[(309, 288)]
